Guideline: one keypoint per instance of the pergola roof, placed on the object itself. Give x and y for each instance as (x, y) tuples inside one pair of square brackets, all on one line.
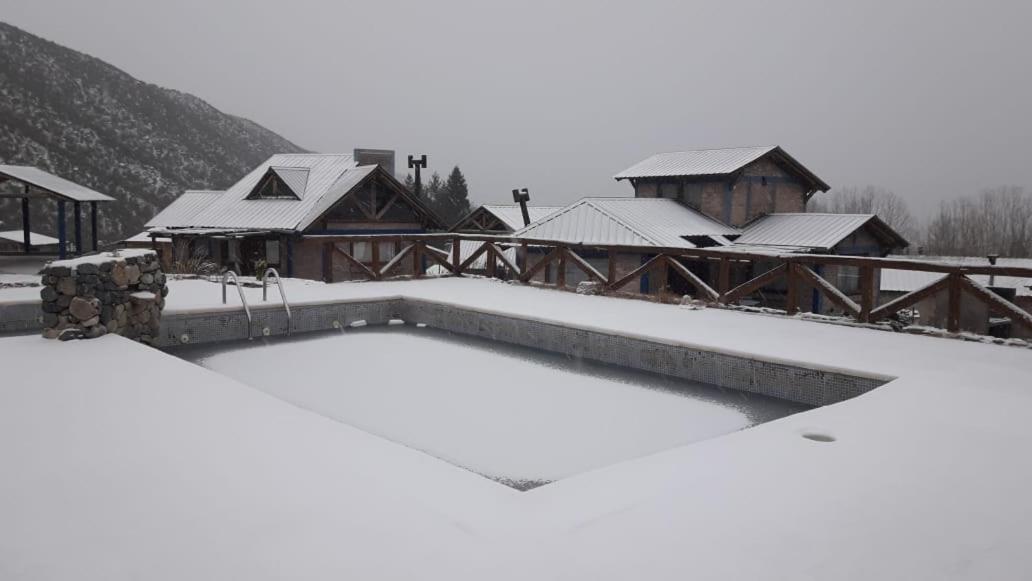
[(49, 184)]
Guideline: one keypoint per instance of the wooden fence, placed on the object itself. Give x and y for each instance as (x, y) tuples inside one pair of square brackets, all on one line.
[(794, 271)]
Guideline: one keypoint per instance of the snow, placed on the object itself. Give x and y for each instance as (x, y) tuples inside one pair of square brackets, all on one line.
[(159, 469), (102, 257), (512, 414)]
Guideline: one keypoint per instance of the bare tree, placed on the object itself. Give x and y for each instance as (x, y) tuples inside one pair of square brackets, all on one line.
[(885, 203), (997, 221)]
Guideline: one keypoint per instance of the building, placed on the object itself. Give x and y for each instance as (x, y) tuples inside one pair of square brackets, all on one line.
[(733, 185), (975, 316), (500, 219), (631, 223), (271, 216), (13, 242)]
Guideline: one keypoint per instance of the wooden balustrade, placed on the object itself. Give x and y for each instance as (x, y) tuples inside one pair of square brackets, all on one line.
[(792, 272)]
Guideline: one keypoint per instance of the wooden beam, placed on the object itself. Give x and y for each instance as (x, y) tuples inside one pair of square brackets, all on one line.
[(611, 267), (473, 257), (724, 276), (327, 261), (500, 255), (26, 237), (828, 290), (439, 256), (636, 273), (401, 254), (911, 298), (417, 259), (997, 303), (374, 252), (792, 294), (953, 298), (703, 288), (756, 283), (387, 206), (867, 293), (524, 255), (357, 263), (529, 273), (456, 250), (560, 279), (585, 267)]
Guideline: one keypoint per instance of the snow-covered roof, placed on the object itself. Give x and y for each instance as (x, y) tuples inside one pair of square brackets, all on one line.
[(627, 222), (712, 162), (34, 238), (51, 183), (183, 209), (329, 177), (812, 230), (512, 216), (893, 280)]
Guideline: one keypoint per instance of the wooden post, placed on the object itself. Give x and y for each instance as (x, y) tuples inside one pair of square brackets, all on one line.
[(724, 278), (327, 262), (27, 239), (491, 264), (77, 206), (374, 253), (560, 280), (417, 259), (524, 257), (456, 255), (93, 224), (611, 273), (953, 312), (791, 296), (866, 293), (662, 276), (290, 255)]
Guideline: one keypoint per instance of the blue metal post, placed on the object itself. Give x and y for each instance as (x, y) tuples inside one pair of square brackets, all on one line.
[(62, 235), (78, 228)]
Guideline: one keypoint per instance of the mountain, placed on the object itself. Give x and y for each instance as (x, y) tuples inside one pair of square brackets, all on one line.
[(85, 120)]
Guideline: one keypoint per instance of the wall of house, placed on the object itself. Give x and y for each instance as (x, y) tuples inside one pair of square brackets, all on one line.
[(762, 187)]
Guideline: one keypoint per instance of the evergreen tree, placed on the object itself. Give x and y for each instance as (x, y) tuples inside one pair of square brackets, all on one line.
[(454, 202), (432, 192), (410, 184)]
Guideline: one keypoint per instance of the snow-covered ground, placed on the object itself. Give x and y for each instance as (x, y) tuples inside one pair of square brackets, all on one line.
[(166, 470), (512, 414)]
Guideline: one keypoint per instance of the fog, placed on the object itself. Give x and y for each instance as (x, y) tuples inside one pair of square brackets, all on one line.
[(928, 99)]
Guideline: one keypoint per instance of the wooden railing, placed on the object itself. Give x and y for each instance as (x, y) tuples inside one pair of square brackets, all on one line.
[(794, 271)]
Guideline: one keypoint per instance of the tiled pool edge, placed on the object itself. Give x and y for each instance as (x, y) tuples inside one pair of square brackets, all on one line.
[(788, 380)]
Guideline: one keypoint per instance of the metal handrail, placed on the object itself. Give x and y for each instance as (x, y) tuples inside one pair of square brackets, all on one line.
[(282, 293), (247, 310)]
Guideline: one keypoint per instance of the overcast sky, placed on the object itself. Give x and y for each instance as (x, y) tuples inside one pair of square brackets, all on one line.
[(929, 99)]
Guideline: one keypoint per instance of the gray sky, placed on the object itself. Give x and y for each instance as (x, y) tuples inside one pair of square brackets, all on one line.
[(929, 99)]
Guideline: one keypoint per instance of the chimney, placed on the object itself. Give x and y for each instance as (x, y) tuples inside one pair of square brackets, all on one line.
[(381, 157)]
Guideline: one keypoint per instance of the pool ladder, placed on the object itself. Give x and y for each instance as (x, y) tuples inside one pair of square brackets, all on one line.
[(282, 294), (229, 274)]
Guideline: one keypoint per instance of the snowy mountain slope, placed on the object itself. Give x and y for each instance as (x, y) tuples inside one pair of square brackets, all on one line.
[(85, 120)]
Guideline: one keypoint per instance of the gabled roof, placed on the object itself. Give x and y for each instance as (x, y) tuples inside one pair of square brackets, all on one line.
[(321, 181), (51, 184), (815, 230), (627, 222), (183, 209), (714, 162), (511, 216)]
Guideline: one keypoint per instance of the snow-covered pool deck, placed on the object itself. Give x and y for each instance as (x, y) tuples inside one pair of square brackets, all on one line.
[(192, 475)]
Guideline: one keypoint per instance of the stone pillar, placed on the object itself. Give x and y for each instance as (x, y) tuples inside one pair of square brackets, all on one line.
[(105, 293)]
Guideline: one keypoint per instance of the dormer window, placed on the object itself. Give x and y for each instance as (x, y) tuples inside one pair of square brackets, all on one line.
[(281, 183)]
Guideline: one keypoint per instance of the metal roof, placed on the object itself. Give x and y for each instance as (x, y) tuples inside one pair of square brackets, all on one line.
[(34, 238), (330, 177), (51, 184), (182, 210), (512, 216), (296, 178), (893, 280), (697, 162), (627, 222), (820, 231)]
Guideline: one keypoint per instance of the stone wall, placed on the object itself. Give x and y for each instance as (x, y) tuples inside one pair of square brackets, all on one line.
[(104, 293)]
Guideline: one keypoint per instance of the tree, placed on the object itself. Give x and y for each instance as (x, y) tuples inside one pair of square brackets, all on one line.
[(886, 204), (410, 184), (997, 221), (454, 198)]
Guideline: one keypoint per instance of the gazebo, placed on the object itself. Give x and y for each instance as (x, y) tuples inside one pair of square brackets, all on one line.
[(40, 184)]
